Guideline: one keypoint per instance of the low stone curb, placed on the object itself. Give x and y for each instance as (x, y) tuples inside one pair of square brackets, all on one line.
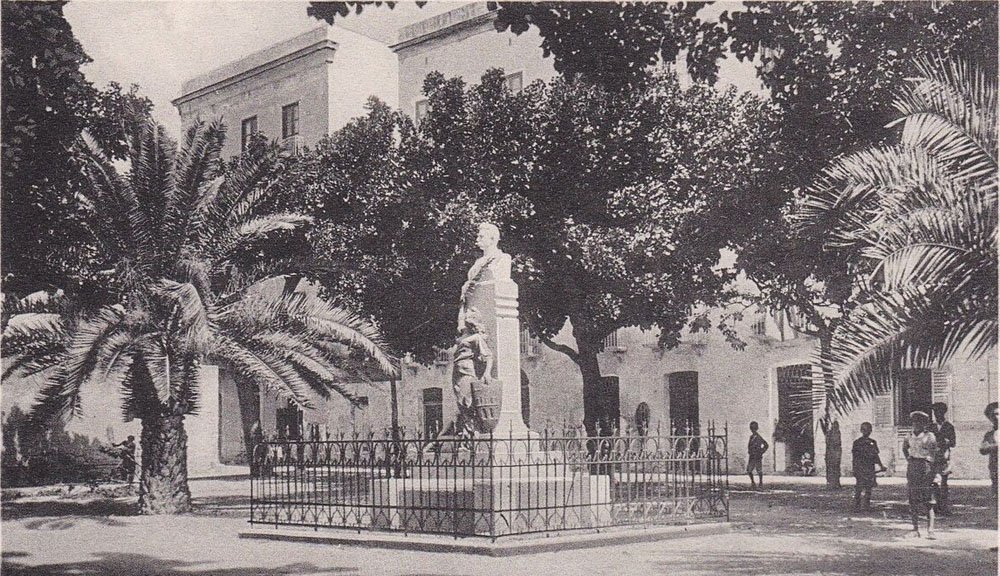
[(508, 546)]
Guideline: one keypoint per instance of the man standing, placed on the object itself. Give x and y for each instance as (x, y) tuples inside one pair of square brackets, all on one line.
[(755, 456), (945, 433), (989, 445), (128, 457)]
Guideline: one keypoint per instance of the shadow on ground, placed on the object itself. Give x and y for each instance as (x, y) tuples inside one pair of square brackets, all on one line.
[(849, 560), (61, 514), (132, 564), (814, 510), (230, 506)]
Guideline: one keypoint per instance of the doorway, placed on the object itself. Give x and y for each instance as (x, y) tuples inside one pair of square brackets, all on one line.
[(289, 421), (608, 406), (682, 393), (795, 413)]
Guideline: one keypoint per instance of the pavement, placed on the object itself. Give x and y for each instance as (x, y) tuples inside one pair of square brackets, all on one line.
[(795, 527)]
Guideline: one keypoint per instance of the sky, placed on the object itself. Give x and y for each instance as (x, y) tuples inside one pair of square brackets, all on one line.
[(159, 44)]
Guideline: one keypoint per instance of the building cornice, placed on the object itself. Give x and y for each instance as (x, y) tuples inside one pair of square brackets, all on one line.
[(322, 45), (446, 31)]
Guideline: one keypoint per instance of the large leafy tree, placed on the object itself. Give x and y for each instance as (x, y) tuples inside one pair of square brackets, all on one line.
[(47, 103), (389, 235), (834, 72), (612, 44), (173, 232), (614, 207), (920, 217)]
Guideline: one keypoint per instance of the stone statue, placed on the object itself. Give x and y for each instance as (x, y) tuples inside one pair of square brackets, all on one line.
[(473, 366), (487, 370), (493, 265)]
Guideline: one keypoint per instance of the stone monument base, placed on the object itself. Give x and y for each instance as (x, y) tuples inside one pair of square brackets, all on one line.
[(491, 501)]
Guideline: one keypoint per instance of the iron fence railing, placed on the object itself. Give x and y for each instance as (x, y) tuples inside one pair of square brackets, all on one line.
[(491, 485)]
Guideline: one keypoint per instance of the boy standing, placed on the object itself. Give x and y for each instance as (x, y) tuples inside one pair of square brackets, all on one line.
[(944, 431), (920, 449), (755, 461), (866, 463), (989, 444)]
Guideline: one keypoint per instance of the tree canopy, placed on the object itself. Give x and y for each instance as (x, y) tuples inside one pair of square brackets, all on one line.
[(47, 104), (612, 44), (614, 207)]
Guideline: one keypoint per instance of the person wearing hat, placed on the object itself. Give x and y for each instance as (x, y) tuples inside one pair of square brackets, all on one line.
[(920, 449)]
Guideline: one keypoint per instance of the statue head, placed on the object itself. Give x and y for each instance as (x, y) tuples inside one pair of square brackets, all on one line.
[(489, 236)]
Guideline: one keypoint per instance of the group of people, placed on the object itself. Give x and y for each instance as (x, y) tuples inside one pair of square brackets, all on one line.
[(928, 452)]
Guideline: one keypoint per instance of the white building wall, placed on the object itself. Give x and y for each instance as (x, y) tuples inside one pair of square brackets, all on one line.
[(466, 51)]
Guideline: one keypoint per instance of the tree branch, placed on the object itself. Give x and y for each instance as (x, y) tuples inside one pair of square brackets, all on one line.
[(573, 354)]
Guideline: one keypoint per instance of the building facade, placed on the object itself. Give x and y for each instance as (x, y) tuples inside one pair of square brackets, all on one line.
[(297, 91), (464, 43)]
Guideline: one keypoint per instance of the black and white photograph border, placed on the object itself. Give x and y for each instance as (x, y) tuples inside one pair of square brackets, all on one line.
[(414, 288)]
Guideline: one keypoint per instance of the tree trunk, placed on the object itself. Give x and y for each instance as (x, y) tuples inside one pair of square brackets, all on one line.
[(587, 350), (831, 428), (833, 453), (163, 486)]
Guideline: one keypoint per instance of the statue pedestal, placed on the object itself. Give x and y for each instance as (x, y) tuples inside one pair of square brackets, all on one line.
[(491, 500), (507, 329), (496, 302)]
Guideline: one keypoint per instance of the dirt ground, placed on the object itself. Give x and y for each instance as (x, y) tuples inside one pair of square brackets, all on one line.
[(796, 527)]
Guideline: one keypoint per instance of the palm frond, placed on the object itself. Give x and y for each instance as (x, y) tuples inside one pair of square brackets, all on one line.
[(321, 319), (120, 223), (901, 330), (55, 401), (239, 194), (261, 368), (924, 212), (195, 166), (951, 110), (191, 325), (85, 343), (255, 230), (151, 154)]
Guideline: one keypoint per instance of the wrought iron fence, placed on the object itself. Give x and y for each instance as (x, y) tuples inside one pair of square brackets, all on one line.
[(492, 485)]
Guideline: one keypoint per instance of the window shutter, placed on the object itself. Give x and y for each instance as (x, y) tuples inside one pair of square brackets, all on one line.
[(882, 410), (941, 387)]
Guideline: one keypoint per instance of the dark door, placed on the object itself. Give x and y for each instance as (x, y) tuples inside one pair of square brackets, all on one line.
[(433, 412), (249, 399), (795, 415), (608, 406), (289, 421), (682, 390)]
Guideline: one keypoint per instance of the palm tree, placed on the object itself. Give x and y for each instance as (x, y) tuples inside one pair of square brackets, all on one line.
[(177, 237), (920, 217)]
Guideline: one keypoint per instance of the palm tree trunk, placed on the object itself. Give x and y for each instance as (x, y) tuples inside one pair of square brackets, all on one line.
[(163, 487)]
